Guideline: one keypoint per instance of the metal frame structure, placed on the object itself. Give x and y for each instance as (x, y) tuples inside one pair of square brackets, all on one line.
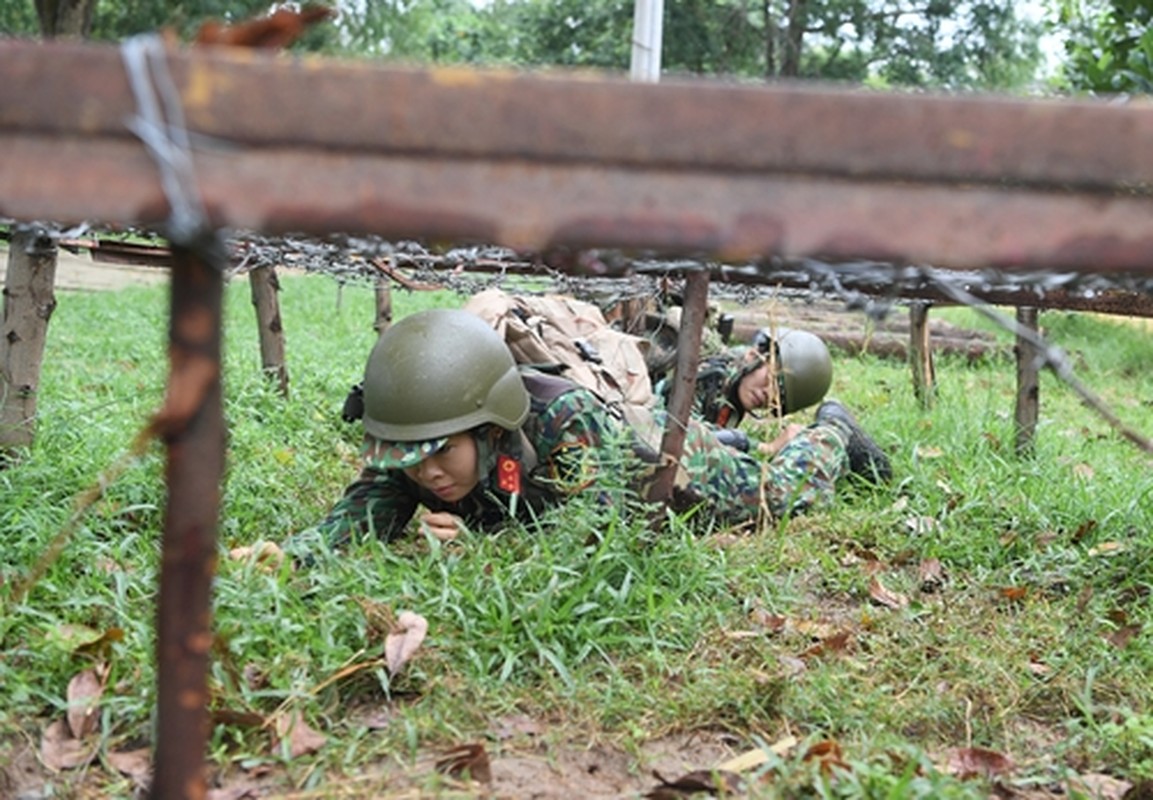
[(532, 162)]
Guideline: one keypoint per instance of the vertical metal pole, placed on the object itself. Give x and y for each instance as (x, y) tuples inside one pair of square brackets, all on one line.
[(696, 306), (648, 33), (1028, 384), (191, 424)]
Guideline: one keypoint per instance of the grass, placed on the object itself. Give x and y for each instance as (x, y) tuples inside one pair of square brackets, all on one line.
[(1036, 645)]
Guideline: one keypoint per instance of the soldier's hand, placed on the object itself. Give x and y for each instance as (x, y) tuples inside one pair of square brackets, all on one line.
[(267, 554), (783, 438), (442, 525)]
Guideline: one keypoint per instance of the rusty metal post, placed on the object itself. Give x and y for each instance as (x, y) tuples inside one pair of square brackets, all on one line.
[(696, 307), (921, 354), (1028, 384), (265, 287), (191, 424)]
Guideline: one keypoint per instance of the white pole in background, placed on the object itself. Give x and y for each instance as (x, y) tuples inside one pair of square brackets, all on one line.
[(648, 22)]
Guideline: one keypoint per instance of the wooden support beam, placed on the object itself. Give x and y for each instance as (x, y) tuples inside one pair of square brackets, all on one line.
[(265, 287), (537, 163), (921, 354), (680, 406), (1028, 404)]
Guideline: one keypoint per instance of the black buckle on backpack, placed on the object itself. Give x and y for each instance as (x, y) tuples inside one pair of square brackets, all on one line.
[(353, 408)]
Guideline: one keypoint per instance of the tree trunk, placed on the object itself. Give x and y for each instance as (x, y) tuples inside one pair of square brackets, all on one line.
[(794, 38), (70, 18), (29, 301), (771, 32)]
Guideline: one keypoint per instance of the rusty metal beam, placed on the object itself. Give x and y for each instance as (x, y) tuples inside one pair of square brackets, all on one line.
[(535, 162)]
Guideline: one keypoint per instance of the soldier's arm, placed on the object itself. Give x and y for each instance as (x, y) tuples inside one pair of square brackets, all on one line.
[(377, 503)]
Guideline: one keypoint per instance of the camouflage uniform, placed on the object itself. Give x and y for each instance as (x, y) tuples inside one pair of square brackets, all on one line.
[(559, 450)]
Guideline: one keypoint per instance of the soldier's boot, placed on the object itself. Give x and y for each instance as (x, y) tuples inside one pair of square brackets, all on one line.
[(866, 458)]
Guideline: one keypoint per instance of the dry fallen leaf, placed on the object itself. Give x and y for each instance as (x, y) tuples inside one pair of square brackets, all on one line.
[(404, 640), (466, 762), (302, 739), (60, 750), (931, 574), (84, 691), (1098, 785), (886, 597), (972, 762), (1014, 594), (827, 754), (136, 764), (836, 643)]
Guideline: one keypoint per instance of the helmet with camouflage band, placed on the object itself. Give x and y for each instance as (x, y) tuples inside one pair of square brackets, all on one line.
[(803, 365), (434, 374)]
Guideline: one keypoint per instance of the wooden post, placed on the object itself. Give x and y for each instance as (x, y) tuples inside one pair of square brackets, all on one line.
[(1028, 384), (191, 424), (265, 286), (696, 308), (383, 306), (29, 300), (921, 354)]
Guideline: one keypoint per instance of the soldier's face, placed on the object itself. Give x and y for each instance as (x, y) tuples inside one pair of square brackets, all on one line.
[(754, 391), (451, 472)]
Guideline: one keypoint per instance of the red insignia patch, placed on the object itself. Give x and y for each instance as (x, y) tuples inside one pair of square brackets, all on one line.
[(508, 474)]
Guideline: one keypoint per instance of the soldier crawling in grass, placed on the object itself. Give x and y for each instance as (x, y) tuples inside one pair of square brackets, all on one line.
[(460, 437), (783, 371)]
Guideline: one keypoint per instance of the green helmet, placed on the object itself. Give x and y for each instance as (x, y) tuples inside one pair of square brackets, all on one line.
[(803, 363), (434, 374)]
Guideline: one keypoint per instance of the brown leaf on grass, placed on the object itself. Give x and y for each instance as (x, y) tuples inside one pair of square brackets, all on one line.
[(771, 623), (1100, 786), (886, 597), (290, 726), (1014, 594), (84, 691), (136, 764), (931, 575), (827, 754), (1083, 530), (404, 640), (59, 749), (973, 762), (1123, 635), (466, 762), (837, 643), (715, 782)]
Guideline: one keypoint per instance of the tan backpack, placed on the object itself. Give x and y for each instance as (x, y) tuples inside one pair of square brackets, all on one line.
[(551, 330)]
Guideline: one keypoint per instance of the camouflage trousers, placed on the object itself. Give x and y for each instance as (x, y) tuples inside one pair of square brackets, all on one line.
[(740, 486)]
